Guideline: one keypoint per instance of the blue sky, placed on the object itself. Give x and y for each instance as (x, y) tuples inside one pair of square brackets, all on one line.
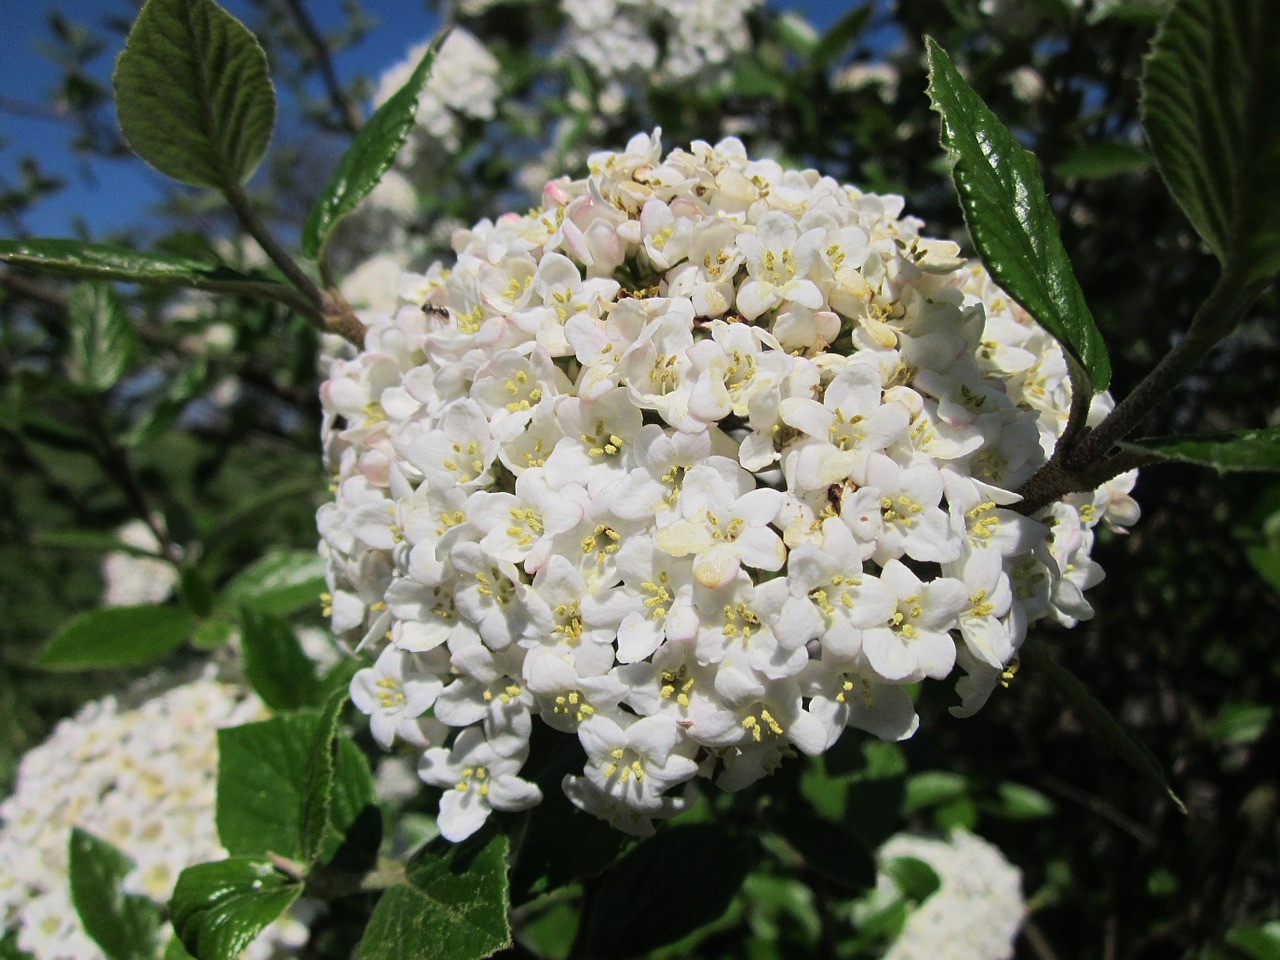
[(109, 194)]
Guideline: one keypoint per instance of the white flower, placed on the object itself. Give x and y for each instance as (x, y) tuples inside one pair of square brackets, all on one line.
[(478, 777), (141, 779), (131, 579), (723, 528), (976, 910)]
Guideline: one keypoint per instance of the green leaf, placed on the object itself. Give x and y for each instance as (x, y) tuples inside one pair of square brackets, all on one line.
[(1018, 802), (661, 891), (1212, 120), (192, 93), (370, 154), (1240, 723), (219, 908), (195, 590), (117, 637), (281, 582), (452, 904), (263, 771), (1033, 654), (1010, 218), (916, 879), (124, 925), (274, 663), (9, 947), (1096, 161), (317, 795), (829, 849), (932, 787), (1237, 450), (212, 634), (1258, 943), (839, 36), (102, 338), (104, 261)]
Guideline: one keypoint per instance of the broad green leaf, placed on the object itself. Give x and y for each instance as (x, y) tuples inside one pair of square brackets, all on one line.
[(661, 890), (1016, 801), (317, 794), (262, 784), (213, 634), (281, 582), (117, 637), (174, 950), (9, 947), (102, 338), (104, 261), (1010, 218), (916, 879), (370, 154), (219, 908), (840, 35), (274, 663), (1212, 120), (1237, 450), (452, 904), (932, 787), (1240, 722), (1095, 161), (829, 849), (124, 925), (196, 591), (1034, 655), (1257, 943), (192, 93)]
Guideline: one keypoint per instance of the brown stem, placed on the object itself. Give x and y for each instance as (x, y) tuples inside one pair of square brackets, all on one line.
[(327, 311), (1085, 460), (1213, 321), (344, 108)]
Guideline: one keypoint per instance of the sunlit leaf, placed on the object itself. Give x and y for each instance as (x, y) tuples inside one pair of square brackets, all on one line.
[(1239, 450), (370, 154), (192, 93), (1010, 219), (452, 904), (124, 925), (102, 338), (219, 908), (117, 637)]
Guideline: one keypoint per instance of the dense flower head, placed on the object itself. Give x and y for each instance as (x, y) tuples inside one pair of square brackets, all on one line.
[(975, 912), (701, 462), (143, 780)]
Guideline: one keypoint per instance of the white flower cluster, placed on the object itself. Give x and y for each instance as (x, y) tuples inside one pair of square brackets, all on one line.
[(615, 37), (129, 579), (141, 779), (977, 909), (463, 82), (700, 463)]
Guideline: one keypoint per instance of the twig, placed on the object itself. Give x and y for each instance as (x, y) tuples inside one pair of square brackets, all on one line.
[(1103, 809), (345, 109), (1086, 460), (1036, 939), (329, 312)]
